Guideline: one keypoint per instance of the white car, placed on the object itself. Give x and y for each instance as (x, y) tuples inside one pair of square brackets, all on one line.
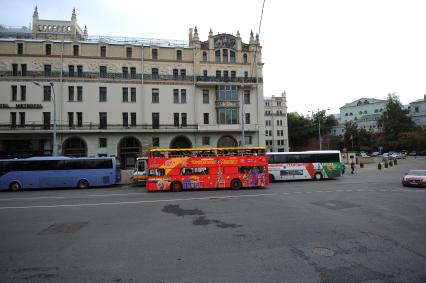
[(415, 178)]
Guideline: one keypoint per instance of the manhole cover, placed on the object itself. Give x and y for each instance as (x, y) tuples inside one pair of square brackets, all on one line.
[(323, 251)]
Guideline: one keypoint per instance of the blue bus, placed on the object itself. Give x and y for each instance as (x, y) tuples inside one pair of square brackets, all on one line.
[(58, 172)]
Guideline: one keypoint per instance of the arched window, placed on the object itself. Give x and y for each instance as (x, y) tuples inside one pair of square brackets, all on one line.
[(245, 58), (225, 55), (360, 112), (359, 103), (204, 56), (217, 56), (366, 102), (232, 56), (365, 111)]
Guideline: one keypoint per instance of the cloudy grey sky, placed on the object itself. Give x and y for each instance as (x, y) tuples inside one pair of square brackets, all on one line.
[(323, 54)]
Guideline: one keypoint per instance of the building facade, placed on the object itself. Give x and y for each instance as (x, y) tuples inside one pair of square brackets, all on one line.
[(276, 127), (417, 112), (366, 112), (121, 96)]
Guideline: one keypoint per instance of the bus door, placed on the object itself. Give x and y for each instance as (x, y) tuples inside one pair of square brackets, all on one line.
[(140, 172)]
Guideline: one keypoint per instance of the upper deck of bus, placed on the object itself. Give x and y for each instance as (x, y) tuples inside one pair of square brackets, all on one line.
[(53, 158), (205, 151), (306, 152)]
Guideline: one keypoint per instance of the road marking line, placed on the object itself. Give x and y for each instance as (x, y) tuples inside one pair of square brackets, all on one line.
[(132, 202), (72, 197)]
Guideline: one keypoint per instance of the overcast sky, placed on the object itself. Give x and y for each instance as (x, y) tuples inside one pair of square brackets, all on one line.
[(322, 53)]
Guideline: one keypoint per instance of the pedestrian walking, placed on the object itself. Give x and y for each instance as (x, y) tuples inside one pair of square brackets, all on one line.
[(352, 167)]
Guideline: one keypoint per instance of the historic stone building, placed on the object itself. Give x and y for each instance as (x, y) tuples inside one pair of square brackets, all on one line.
[(276, 127), (121, 96)]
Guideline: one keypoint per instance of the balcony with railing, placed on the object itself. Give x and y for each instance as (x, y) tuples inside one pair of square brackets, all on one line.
[(215, 80), (227, 103), (86, 127)]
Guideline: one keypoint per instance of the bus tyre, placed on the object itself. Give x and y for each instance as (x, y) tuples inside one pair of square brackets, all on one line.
[(15, 186), (236, 184), (271, 178), (83, 184), (175, 187), (318, 176)]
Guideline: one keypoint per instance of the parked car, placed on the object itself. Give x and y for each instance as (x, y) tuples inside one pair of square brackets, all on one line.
[(423, 152), (412, 153), (363, 154), (414, 178), (395, 155), (375, 154)]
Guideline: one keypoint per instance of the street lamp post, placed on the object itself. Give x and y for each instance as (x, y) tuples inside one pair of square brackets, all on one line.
[(319, 126), (55, 146)]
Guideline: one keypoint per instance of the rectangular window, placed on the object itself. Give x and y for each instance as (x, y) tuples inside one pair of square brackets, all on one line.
[(125, 72), (133, 119), (75, 49), (183, 96), (218, 74), (125, 119), (205, 73), (227, 116), (70, 119), (155, 95), (233, 74), (184, 119), (248, 139), (155, 141), (22, 118), (175, 96), (47, 93), (129, 52), (70, 93), (48, 49), (176, 119), (46, 120), (79, 119), (154, 72), (13, 119), (71, 71), (246, 97), (232, 56), (205, 140), (103, 51), (47, 70), (80, 71), (133, 94), (206, 118), (205, 96), (103, 142), (225, 74), (183, 73), (23, 92), (246, 74), (103, 71), (225, 55), (20, 48), (217, 56), (125, 94), (102, 94), (14, 69), (247, 118), (79, 93), (23, 70), (155, 120), (154, 54), (133, 72), (103, 119), (14, 93), (175, 73)]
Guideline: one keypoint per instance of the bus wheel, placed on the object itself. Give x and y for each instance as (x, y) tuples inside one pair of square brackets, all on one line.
[(271, 178), (236, 184), (15, 186), (318, 176), (175, 187), (83, 184)]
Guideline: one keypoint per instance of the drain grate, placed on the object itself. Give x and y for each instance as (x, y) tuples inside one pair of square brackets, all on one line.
[(63, 228)]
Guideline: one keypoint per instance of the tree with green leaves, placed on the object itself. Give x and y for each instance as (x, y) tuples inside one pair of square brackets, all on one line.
[(394, 119), (299, 129)]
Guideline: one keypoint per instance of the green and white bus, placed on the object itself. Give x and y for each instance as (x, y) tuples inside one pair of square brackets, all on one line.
[(304, 165)]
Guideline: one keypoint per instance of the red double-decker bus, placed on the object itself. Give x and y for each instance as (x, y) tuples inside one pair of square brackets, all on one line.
[(201, 168)]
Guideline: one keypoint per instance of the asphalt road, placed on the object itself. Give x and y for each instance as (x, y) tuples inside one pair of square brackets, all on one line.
[(359, 228)]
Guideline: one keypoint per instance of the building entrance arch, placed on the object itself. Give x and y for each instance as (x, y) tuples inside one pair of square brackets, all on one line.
[(74, 146), (128, 149), (227, 141), (180, 142)]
